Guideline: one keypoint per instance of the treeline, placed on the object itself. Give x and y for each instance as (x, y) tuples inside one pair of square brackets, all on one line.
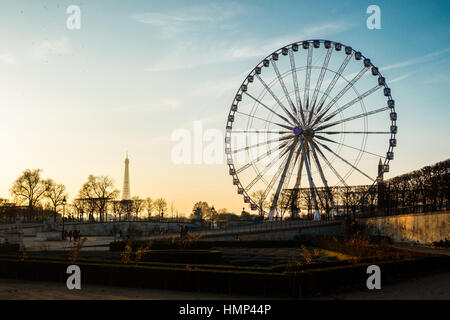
[(426, 189), (428, 186), (35, 199)]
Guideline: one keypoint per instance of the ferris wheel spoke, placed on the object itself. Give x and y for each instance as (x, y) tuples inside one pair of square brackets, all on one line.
[(319, 82), (336, 173), (333, 82), (349, 104), (296, 89), (311, 183), (288, 178), (270, 109), (263, 172), (283, 177), (275, 177), (355, 132), (365, 114), (259, 131), (299, 173), (308, 76), (263, 143), (351, 165), (267, 167), (269, 152), (255, 117), (343, 91), (322, 176), (276, 99), (286, 93), (350, 147)]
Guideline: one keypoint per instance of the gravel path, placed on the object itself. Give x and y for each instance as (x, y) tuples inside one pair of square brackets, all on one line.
[(432, 287), (32, 290)]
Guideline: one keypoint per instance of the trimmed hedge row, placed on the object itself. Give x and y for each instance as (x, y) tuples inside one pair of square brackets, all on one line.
[(269, 284), (330, 280), (178, 244), (166, 278), (132, 262), (9, 247), (183, 256)]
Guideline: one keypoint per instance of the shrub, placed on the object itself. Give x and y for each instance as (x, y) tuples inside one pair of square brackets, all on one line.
[(9, 247)]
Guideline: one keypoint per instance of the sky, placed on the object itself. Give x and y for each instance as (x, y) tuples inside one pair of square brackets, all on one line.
[(73, 102)]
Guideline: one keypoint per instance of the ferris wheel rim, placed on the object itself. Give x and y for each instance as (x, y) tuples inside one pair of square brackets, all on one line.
[(289, 47)]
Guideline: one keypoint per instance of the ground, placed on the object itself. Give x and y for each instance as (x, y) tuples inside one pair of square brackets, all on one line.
[(431, 287)]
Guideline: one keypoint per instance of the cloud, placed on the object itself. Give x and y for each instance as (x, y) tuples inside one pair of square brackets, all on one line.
[(183, 20), (161, 105), (220, 87), (45, 49), (417, 60), (400, 78), (190, 54), (7, 58)]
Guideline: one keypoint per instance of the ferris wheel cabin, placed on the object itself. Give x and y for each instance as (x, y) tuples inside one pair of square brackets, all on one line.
[(394, 129), (393, 142)]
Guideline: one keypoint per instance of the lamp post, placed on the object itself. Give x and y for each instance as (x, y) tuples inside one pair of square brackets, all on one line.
[(64, 213), (213, 216)]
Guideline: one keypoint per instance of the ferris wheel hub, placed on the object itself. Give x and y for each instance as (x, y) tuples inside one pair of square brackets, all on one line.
[(297, 130)]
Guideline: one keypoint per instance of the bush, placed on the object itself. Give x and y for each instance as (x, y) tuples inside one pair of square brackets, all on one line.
[(183, 256), (9, 247), (205, 245), (442, 243), (231, 281)]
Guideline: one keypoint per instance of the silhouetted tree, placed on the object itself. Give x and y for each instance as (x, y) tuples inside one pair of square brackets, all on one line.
[(204, 207), (149, 206), (55, 193), (29, 187), (259, 198), (160, 205), (137, 206), (97, 192)]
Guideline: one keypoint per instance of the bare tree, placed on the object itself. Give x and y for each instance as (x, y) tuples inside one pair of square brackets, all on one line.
[(258, 197), (55, 193), (137, 206), (172, 208), (149, 206), (160, 206), (204, 207), (97, 192), (29, 187), (80, 208)]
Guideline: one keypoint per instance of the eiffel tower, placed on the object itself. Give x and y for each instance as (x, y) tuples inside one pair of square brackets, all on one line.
[(126, 181)]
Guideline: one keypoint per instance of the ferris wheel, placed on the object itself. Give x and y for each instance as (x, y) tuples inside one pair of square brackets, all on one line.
[(312, 115)]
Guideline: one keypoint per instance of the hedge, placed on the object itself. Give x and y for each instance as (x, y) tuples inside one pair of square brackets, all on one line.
[(183, 256), (177, 244), (268, 284), (9, 247)]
